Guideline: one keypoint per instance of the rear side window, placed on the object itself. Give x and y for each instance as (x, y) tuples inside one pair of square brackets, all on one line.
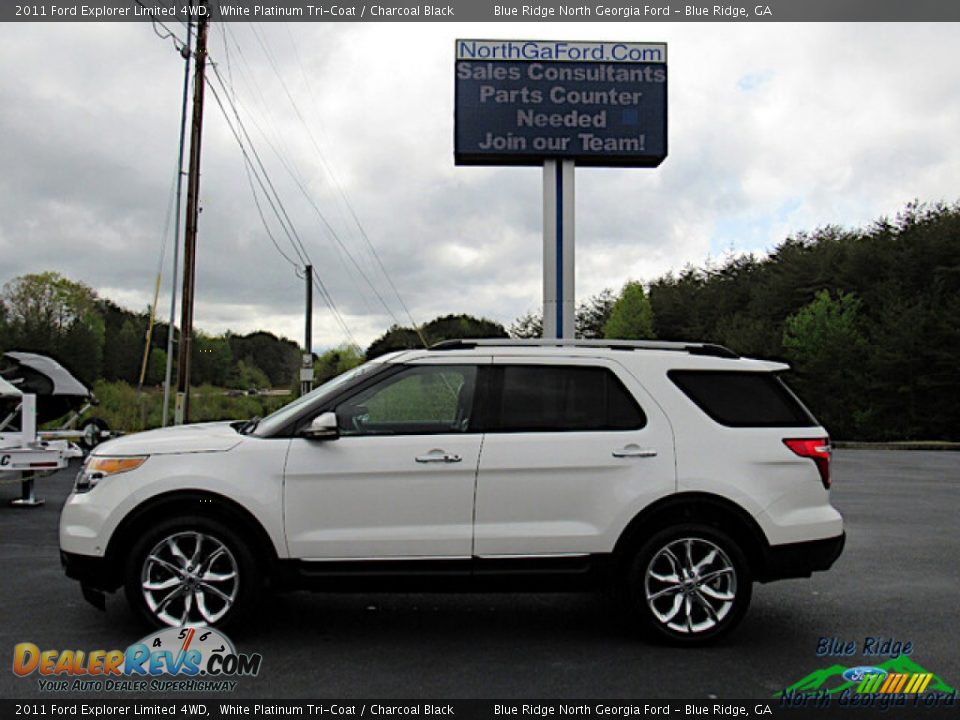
[(743, 399), (556, 398)]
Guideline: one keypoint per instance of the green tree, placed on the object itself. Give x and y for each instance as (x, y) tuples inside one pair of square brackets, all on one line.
[(212, 360), (127, 351), (49, 314), (156, 367), (4, 329), (527, 326), (335, 362), (278, 358), (245, 374), (445, 327), (593, 313), (631, 317), (825, 342), (590, 317)]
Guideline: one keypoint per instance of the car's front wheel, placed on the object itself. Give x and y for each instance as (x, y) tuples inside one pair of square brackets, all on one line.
[(192, 571), (688, 584)]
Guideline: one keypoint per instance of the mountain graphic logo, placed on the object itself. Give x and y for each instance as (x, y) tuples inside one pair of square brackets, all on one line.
[(831, 681)]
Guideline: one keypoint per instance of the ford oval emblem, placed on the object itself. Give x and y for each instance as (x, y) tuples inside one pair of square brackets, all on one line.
[(856, 674)]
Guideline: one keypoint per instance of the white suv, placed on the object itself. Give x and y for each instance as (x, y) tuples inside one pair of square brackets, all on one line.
[(674, 473)]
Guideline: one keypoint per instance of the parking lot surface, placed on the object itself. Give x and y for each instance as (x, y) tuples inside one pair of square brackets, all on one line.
[(897, 579)]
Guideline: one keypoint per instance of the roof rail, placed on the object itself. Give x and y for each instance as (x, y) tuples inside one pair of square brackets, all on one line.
[(692, 348)]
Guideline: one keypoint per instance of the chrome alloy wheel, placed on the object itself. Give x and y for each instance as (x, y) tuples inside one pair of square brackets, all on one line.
[(690, 585), (189, 578)]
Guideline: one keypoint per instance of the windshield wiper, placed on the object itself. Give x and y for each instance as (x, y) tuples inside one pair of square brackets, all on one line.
[(249, 426)]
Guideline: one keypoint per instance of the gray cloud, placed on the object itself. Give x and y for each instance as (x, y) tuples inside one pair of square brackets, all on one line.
[(773, 129)]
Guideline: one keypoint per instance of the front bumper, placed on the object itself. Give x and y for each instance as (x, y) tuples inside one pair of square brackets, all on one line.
[(92, 572), (799, 560)]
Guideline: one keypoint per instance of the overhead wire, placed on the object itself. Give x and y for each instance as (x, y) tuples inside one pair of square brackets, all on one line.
[(273, 197), (281, 215), (297, 177), (257, 175), (178, 43), (276, 204), (293, 171), (336, 182), (334, 179), (253, 191)]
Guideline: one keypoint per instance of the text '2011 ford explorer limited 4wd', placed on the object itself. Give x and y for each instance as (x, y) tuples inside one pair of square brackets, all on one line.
[(676, 474)]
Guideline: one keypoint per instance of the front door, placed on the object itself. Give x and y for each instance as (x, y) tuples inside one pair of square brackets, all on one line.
[(399, 480)]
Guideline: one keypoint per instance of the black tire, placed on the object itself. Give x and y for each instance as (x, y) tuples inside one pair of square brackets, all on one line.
[(91, 429), (712, 591), (196, 595)]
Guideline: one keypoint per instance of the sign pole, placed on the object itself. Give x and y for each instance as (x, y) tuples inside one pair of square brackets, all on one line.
[(559, 300), (557, 104)]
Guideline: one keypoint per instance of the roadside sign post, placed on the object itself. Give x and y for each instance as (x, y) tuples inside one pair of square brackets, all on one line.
[(558, 243), (560, 104)]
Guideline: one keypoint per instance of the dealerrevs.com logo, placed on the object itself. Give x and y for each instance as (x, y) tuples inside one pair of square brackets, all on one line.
[(199, 659)]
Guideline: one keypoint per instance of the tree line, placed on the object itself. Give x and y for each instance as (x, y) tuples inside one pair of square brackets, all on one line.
[(868, 318), (96, 339)]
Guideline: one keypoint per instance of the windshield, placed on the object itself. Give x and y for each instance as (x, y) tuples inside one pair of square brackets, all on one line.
[(273, 422)]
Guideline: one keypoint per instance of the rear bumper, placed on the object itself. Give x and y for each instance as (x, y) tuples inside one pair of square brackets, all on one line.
[(798, 560)]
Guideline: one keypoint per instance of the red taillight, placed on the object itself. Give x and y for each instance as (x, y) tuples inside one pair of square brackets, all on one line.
[(818, 450)]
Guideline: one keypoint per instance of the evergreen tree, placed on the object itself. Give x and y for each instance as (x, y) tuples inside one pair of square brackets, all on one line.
[(631, 317)]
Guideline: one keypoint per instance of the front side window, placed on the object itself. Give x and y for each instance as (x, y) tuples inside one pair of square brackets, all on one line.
[(420, 400), (557, 398), (277, 420)]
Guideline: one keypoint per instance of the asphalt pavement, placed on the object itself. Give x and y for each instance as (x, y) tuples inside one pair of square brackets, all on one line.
[(898, 578)]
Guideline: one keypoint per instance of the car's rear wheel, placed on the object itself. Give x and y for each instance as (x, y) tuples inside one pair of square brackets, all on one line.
[(192, 571), (688, 584)]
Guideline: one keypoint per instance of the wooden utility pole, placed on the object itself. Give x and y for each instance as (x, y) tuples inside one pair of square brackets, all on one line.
[(182, 412)]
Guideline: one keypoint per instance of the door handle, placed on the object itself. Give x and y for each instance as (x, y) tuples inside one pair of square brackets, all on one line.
[(634, 451), (437, 456)]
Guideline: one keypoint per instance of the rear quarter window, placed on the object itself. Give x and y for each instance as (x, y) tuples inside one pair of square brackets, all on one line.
[(743, 399)]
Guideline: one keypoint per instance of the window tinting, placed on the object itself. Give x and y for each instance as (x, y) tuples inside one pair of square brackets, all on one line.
[(552, 398), (743, 399)]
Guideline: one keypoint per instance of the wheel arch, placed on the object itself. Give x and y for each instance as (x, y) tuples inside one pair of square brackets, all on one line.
[(696, 507), (186, 503)]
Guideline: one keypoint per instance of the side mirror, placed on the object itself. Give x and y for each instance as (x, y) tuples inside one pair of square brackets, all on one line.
[(322, 427)]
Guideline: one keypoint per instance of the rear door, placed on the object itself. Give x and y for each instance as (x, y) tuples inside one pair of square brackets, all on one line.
[(572, 452)]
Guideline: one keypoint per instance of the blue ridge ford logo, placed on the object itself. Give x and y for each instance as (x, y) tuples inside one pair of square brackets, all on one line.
[(856, 674)]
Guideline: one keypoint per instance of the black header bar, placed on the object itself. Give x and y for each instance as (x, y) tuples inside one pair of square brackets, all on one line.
[(487, 11)]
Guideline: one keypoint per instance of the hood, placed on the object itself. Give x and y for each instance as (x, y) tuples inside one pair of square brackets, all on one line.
[(203, 437)]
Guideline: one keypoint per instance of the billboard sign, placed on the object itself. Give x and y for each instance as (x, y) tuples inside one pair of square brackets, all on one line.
[(520, 102)]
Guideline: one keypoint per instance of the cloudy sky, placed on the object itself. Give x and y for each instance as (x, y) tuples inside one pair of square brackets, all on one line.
[(774, 129)]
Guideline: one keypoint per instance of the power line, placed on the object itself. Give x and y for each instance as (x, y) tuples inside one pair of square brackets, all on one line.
[(334, 179), (255, 170), (343, 253), (273, 198), (278, 209), (337, 184), (177, 42)]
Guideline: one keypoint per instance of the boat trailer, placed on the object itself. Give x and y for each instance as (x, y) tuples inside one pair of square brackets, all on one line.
[(27, 454)]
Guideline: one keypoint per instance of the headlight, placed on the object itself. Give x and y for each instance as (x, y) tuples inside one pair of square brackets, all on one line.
[(97, 468)]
